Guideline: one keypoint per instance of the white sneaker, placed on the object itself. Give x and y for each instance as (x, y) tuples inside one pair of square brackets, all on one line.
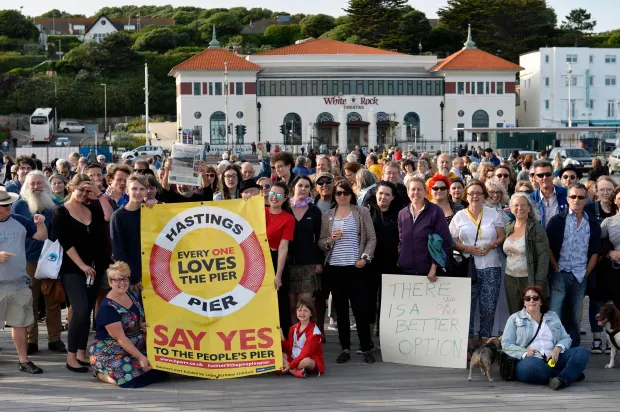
[(597, 347)]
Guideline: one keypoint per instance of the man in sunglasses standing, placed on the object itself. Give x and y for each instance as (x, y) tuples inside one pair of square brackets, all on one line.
[(549, 199), (569, 175), (575, 242)]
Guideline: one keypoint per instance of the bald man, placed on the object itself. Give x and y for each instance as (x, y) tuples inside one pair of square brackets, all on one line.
[(247, 171)]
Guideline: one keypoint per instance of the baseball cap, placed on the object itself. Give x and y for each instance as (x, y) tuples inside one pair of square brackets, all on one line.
[(326, 175)]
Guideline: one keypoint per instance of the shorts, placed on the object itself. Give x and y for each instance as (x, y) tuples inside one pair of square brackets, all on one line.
[(16, 307), (304, 279)]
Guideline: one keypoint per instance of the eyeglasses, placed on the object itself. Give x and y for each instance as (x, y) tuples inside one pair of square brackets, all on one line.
[(230, 176), (325, 182), (605, 190), (546, 174), (265, 186), (504, 175), (118, 281), (534, 298), (494, 192), (438, 188), (569, 177), (472, 194), (342, 193), (276, 195), (528, 191), (210, 174), (573, 197)]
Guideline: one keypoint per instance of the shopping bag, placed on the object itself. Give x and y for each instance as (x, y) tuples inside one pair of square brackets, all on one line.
[(50, 261)]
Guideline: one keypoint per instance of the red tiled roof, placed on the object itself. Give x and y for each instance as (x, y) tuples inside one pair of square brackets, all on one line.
[(474, 59), (214, 59), (325, 46)]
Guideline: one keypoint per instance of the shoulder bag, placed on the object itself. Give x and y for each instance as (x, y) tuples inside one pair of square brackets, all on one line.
[(467, 266), (508, 364)]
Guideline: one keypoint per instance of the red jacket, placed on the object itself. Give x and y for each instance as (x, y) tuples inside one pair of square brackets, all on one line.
[(310, 343)]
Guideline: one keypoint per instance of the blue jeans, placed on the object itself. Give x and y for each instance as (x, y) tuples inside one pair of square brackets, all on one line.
[(567, 300), (571, 364)]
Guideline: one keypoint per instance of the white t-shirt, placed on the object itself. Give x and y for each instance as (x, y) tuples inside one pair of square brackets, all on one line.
[(463, 228)]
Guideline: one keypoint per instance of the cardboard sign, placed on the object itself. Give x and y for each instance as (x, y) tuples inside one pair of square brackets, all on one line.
[(425, 323)]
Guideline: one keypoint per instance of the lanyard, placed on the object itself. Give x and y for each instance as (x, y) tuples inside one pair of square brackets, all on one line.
[(476, 223)]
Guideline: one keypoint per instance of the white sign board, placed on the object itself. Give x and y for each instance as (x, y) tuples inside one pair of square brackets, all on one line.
[(185, 163), (425, 323)]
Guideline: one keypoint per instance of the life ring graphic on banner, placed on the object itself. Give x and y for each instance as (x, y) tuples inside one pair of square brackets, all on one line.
[(207, 217)]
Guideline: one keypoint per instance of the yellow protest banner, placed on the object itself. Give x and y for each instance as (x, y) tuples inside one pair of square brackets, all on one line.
[(209, 290)]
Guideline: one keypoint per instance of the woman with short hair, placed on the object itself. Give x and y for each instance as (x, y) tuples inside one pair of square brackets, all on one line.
[(366, 183), (59, 188), (437, 189)]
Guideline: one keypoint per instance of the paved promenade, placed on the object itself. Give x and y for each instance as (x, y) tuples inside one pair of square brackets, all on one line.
[(354, 386)]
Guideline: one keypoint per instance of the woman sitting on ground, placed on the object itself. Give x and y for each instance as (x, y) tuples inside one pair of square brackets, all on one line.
[(536, 335), (118, 353)]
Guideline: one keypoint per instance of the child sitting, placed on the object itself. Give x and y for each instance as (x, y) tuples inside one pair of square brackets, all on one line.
[(303, 350)]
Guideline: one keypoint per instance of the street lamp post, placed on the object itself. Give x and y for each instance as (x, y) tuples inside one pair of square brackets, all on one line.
[(441, 106), (570, 75), (105, 111)]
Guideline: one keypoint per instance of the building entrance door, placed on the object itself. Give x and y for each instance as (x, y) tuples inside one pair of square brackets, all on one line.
[(357, 136)]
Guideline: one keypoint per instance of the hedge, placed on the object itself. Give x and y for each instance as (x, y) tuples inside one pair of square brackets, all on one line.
[(9, 61)]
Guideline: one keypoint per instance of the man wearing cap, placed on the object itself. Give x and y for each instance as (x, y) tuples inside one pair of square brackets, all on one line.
[(569, 175), (249, 188), (325, 187), (15, 295)]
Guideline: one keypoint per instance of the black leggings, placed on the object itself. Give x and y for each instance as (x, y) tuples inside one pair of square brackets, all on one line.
[(82, 301), (283, 298)]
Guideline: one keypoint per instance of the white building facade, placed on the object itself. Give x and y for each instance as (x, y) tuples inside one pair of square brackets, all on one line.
[(594, 87), (322, 91)]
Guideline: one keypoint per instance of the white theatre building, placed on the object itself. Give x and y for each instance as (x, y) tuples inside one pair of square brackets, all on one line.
[(322, 91), (594, 87)]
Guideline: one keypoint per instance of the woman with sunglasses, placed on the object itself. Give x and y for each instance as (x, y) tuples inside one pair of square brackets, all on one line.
[(265, 188), (348, 239), (504, 174), (80, 228), (536, 336), (229, 183), (498, 197), (211, 181), (305, 257), (325, 186), (527, 251), (479, 231), (437, 190), (280, 231)]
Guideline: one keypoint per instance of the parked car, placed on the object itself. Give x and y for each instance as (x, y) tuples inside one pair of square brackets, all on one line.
[(582, 159), (613, 161), (67, 126), (63, 141), (144, 152)]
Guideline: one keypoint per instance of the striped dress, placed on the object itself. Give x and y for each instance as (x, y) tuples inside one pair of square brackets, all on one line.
[(346, 249)]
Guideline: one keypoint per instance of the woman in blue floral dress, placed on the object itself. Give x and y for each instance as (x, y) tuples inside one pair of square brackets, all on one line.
[(118, 353)]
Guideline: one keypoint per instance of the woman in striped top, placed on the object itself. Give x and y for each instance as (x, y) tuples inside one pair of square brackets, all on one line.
[(348, 237)]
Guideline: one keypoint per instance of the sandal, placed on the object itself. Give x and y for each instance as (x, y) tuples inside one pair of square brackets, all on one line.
[(29, 367)]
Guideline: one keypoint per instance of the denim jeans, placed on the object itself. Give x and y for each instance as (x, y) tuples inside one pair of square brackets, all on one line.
[(567, 300), (571, 364)]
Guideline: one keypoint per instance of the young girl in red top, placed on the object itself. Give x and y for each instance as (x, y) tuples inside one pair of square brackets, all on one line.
[(303, 350)]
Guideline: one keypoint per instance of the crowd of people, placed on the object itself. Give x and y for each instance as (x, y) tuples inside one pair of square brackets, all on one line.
[(539, 240)]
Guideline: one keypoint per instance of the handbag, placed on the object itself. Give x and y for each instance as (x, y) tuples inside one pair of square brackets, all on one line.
[(53, 287), (508, 364), (50, 261)]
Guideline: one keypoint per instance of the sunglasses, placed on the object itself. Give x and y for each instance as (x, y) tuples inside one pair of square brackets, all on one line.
[(569, 177), (528, 191), (438, 188), (230, 176), (210, 174), (546, 174), (534, 298), (7, 206), (265, 186), (573, 197), (139, 171), (277, 195), (342, 193), (325, 182), (504, 175)]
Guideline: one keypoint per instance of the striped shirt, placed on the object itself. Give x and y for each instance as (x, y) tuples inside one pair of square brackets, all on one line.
[(346, 250)]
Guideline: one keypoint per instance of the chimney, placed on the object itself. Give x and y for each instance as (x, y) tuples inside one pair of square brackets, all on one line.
[(236, 49)]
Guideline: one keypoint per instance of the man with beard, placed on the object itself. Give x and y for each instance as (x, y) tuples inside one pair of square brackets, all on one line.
[(443, 165), (117, 182), (24, 165), (184, 193), (36, 198)]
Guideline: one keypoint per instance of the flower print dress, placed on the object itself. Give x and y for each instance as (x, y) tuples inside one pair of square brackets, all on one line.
[(107, 356)]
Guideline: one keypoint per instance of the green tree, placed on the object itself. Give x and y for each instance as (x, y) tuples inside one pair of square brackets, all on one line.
[(58, 13), (316, 24), (378, 23), (225, 24), (205, 14), (15, 25), (89, 56), (118, 46), (415, 30), (279, 35), (341, 33), (184, 17), (577, 26), (159, 40), (614, 40)]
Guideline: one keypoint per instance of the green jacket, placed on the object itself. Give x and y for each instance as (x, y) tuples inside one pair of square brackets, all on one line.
[(537, 250)]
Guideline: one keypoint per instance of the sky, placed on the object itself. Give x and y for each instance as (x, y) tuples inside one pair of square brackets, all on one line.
[(605, 12)]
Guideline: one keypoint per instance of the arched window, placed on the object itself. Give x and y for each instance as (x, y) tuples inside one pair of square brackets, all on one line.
[(324, 118), (292, 129), (354, 117), (383, 117), (218, 128), (480, 118), (412, 125)]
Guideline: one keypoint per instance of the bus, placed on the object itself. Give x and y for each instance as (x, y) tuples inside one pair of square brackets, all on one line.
[(42, 125)]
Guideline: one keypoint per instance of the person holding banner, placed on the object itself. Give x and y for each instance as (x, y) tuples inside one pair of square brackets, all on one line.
[(229, 183), (348, 238), (118, 352), (479, 231), (280, 231), (80, 229), (184, 193)]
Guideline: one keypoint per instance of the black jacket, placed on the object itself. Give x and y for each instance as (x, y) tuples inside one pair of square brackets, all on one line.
[(304, 249), (386, 231)]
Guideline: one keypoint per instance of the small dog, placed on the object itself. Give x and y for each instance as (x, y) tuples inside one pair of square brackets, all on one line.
[(608, 317), (484, 357)]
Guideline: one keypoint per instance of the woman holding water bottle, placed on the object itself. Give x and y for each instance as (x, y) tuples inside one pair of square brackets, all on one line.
[(80, 228), (348, 238)]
